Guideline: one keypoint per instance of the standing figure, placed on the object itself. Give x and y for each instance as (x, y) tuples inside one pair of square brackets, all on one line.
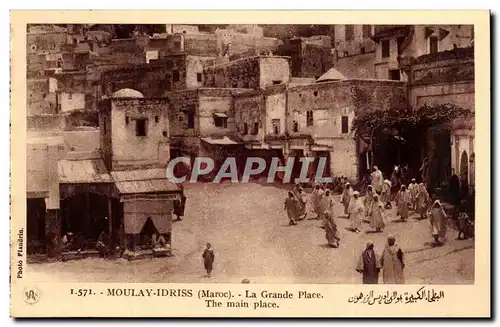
[(346, 197), (180, 205), (291, 207), (395, 180), (331, 230), (413, 189), (369, 265), (324, 205), (103, 245), (316, 196), (392, 262), (356, 212), (423, 200), (438, 222), (302, 198), (208, 259), (386, 194), (464, 223), (402, 200), (368, 201), (377, 180), (377, 214)]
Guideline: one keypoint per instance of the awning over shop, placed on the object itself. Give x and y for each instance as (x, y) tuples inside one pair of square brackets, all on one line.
[(220, 114), (143, 181), (219, 141), (91, 171)]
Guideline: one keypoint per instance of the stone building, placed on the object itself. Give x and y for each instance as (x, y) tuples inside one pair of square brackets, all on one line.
[(254, 72), (374, 51), (442, 78), (310, 57), (198, 118), (314, 119)]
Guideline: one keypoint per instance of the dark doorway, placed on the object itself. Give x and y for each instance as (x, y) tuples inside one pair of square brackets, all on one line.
[(85, 214), (35, 225)]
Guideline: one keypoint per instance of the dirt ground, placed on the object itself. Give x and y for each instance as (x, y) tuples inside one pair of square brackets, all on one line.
[(249, 231)]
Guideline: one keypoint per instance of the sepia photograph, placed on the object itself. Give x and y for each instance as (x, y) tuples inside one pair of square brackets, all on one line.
[(339, 154)]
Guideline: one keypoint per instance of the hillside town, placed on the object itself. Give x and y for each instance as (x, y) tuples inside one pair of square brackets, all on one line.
[(389, 108)]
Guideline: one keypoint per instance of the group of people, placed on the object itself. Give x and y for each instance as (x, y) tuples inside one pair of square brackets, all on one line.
[(391, 263)]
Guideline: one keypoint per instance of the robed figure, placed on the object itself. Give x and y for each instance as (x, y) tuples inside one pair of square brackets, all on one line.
[(392, 262), (369, 265)]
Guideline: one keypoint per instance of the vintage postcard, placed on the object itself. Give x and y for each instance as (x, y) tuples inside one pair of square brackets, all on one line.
[(250, 164)]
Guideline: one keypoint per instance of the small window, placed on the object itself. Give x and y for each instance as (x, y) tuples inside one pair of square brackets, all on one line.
[(157, 119), (165, 134), (276, 82), (190, 119), (385, 48), (276, 126), (345, 124), (176, 75), (310, 118), (395, 75), (33, 47), (433, 44), (295, 126), (367, 31), (220, 122), (245, 128), (127, 120), (198, 77), (255, 128), (315, 93), (349, 32), (140, 127)]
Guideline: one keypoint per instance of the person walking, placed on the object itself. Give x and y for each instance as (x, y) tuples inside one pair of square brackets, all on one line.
[(377, 180), (331, 231), (423, 200), (291, 207), (386, 194), (302, 201), (369, 265), (346, 197), (403, 200), (208, 259), (377, 214), (438, 222), (413, 189), (392, 262), (356, 212)]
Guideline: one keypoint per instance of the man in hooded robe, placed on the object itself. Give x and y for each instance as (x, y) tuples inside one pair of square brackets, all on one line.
[(346, 197), (331, 230), (316, 197), (377, 180), (413, 189), (438, 222), (325, 205), (369, 265), (403, 199), (302, 199), (386, 194), (291, 207), (392, 262), (369, 201), (422, 201), (377, 212), (356, 212)]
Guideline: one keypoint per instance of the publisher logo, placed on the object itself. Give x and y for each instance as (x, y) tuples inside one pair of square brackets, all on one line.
[(31, 295)]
